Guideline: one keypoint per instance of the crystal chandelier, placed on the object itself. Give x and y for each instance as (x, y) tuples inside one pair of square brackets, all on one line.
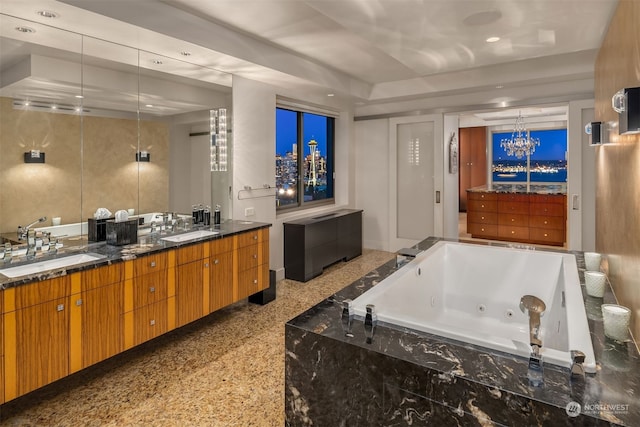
[(520, 144)]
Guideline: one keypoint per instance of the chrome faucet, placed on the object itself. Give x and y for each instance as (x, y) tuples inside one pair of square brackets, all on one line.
[(370, 322), (24, 231), (31, 243), (347, 317), (534, 307), (8, 252), (577, 359)]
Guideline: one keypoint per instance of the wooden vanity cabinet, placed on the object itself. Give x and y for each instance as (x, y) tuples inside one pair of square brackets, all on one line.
[(36, 335), (482, 214), (101, 308)]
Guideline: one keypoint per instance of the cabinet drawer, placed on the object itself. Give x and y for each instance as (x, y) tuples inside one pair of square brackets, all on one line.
[(102, 276), (482, 206), (513, 197), (509, 232), (222, 245), (150, 263), (474, 195), (519, 220), (482, 217), (150, 321), (548, 198), (482, 230), (149, 289), (43, 291), (547, 235), (248, 282), (547, 222), (190, 253), (246, 239), (248, 257), (513, 207), (546, 209)]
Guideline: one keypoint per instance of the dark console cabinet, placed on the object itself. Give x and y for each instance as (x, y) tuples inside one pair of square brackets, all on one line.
[(310, 244)]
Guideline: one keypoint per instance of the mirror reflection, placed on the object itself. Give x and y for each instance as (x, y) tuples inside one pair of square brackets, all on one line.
[(118, 128)]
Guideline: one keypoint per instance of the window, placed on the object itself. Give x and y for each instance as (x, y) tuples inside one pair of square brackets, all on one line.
[(547, 163), (304, 158)]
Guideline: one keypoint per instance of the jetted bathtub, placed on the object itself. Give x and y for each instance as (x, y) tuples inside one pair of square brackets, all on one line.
[(471, 293)]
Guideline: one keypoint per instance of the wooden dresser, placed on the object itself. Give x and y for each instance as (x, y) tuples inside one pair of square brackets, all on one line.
[(517, 217)]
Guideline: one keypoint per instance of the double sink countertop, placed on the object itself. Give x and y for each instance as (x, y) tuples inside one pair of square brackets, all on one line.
[(96, 254), (520, 188)]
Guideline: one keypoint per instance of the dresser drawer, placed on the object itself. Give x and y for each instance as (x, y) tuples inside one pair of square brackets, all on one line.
[(547, 235), (150, 263), (246, 239), (482, 206), (248, 257), (513, 232), (513, 197), (474, 195), (150, 321), (518, 220), (547, 222), (482, 217), (559, 199), (482, 230), (546, 209), (149, 288), (513, 207)]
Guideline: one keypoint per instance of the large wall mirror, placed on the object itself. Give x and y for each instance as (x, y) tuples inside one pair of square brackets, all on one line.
[(103, 126)]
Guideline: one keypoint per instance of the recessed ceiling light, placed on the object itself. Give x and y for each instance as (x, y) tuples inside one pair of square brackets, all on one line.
[(149, 105), (331, 94), (157, 62), (499, 87), (47, 14), (79, 96), (492, 39), (25, 29), (185, 53)]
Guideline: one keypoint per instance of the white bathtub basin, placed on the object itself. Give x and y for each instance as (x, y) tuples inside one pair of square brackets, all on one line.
[(192, 235), (49, 265), (471, 293)]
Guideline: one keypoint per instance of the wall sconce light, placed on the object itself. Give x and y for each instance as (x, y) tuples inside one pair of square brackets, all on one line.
[(218, 133), (598, 133), (34, 156), (626, 102), (143, 156)]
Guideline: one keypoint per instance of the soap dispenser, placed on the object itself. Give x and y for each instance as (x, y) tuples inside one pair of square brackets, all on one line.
[(216, 215), (206, 219)]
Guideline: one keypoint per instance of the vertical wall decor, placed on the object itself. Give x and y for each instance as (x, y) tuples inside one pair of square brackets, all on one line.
[(453, 153)]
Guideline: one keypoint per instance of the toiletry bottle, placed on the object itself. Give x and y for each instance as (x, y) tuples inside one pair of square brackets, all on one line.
[(216, 215), (207, 216), (194, 214)]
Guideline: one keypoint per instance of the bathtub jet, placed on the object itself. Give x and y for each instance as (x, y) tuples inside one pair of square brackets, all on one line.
[(472, 293)]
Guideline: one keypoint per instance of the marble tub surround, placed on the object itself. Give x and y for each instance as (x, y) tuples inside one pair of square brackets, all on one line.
[(225, 370), (411, 378), (147, 244)]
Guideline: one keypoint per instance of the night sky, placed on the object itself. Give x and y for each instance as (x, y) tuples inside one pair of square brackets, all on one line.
[(315, 127), (553, 145)]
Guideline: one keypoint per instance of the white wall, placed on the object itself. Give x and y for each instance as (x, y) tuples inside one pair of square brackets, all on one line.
[(254, 114)]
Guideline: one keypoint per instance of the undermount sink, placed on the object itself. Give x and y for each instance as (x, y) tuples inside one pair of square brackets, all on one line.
[(192, 235), (51, 264)]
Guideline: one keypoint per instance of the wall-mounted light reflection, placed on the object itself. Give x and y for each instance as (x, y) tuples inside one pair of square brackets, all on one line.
[(218, 134)]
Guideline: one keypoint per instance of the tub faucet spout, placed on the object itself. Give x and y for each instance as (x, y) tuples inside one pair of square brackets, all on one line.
[(533, 307), (347, 317), (577, 359), (370, 322)]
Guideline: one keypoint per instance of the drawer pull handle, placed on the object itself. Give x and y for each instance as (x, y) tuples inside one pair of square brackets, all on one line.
[(482, 206), (152, 289), (206, 265), (60, 307), (79, 302), (152, 322), (255, 256), (481, 217), (545, 222), (152, 264), (482, 229), (255, 281), (513, 232), (255, 237), (513, 219), (216, 261), (546, 235)]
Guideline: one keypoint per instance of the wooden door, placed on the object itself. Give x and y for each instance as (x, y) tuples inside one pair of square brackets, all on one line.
[(473, 161), (221, 288), (102, 323), (189, 292)]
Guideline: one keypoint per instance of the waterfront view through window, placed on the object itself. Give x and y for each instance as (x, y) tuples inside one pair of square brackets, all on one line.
[(548, 163), (304, 158)]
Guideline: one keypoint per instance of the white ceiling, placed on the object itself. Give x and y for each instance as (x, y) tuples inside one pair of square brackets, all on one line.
[(365, 51)]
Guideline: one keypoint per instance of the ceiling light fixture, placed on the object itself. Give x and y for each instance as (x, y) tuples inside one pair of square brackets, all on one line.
[(520, 144), (79, 96), (493, 39), (25, 29), (47, 14), (331, 94), (149, 105)]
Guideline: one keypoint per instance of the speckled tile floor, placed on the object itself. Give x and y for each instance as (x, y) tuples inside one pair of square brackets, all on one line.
[(224, 370)]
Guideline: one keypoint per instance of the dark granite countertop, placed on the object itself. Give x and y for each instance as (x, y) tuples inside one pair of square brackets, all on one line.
[(520, 188), (606, 398), (147, 244)]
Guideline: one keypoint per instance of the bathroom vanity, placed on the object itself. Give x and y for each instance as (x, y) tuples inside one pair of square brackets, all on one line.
[(60, 321), (405, 377), (518, 214)]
